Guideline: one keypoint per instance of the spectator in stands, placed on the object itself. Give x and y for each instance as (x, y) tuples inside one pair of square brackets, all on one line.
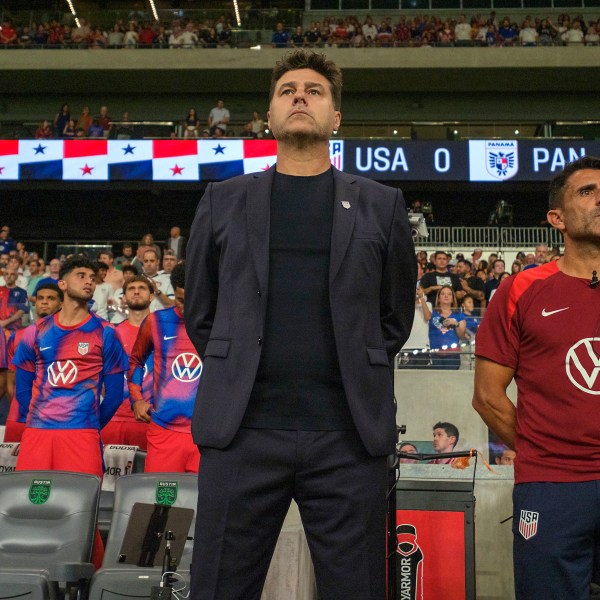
[(191, 124), (98, 38), (419, 335), (85, 119), (507, 32), (325, 32), (369, 31), (507, 458), (113, 275), (115, 37), (120, 310), (446, 328), (225, 35), (176, 242), (401, 32), (298, 40), (472, 317), (385, 34), (15, 262), (147, 36), (445, 438), (210, 38), (127, 255), (516, 267), (103, 293), (163, 291), (7, 244), (592, 38), (104, 120), (81, 35), (25, 40), (96, 130), (8, 34), (55, 34), (69, 129), (131, 37), (169, 261), (574, 36), (433, 282), (492, 284), (280, 38), (218, 117), (146, 243), (258, 125), (471, 284), (61, 119), (312, 36), (52, 277), (462, 32), (124, 128), (408, 448), (546, 32), (539, 258), (44, 131), (528, 36)]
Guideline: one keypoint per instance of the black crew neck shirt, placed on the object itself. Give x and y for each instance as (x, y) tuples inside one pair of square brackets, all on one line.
[(298, 383)]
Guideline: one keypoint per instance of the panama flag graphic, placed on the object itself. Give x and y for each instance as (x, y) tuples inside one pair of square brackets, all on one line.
[(85, 160), (220, 159), (259, 155), (9, 159), (130, 159), (175, 160), (41, 159)]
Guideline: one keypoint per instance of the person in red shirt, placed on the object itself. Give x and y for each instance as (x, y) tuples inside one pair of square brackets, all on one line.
[(8, 34), (542, 329), (124, 428)]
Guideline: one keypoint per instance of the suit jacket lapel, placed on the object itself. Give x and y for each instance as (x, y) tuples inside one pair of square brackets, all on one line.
[(258, 203), (345, 206)]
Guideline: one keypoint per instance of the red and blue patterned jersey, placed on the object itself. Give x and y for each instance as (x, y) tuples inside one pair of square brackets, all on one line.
[(3, 350), (127, 334), (177, 368), (12, 300), (70, 364), (16, 412)]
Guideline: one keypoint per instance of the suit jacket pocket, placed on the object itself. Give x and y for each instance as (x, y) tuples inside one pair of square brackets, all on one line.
[(217, 348), (378, 356)]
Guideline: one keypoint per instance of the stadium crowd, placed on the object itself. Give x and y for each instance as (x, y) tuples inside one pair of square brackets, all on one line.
[(343, 32)]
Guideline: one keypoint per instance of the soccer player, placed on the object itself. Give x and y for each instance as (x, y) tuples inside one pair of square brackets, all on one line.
[(62, 363), (177, 369), (542, 328), (49, 301), (124, 428)]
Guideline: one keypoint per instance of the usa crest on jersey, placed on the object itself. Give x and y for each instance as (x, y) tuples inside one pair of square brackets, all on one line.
[(83, 348), (528, 523)]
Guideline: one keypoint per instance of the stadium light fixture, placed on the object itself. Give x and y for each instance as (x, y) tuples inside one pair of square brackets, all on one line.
[(73, 12), (236, 8), (154, 11)]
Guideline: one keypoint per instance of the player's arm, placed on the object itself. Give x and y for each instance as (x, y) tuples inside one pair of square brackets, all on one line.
[(24, 383), (114, 361), (14, 317), (143, 347), (113, 397), (166, 298), (398, 282), (490, 400)]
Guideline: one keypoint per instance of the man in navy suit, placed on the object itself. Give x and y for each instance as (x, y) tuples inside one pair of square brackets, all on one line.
[(301, 284)]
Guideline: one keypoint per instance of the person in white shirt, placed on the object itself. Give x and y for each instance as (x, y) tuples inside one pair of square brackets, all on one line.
[(462, 32), (104, 292), (164, 295), (528, 36)]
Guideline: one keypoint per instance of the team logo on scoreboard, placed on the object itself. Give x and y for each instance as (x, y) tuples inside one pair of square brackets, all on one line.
[(502, 158), (583, 365), (61, 373), (409, 563), (528, 523), (83, 348), (186, 367), (336, 154)]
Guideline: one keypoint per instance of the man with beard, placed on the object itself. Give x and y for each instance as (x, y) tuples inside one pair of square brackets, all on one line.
[(63, 362), (124, 429), (49, 301)]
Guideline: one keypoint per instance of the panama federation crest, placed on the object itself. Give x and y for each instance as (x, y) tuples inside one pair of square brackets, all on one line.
[(39, 491), (501, 158), (166, 492)]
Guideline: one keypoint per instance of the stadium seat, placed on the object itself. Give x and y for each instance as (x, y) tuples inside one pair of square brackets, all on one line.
[(107, 497), (47, 527), (117, 580)]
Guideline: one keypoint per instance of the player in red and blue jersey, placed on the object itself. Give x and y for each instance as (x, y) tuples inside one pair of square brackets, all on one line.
[(49, 301), (124, 428), (177, 369), (542, 328), (63, 362)]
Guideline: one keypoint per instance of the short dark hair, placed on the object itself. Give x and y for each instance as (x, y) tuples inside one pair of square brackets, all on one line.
[(178, 276), (51, 286), (141, 279), (107, 252), (127, 245), (153, 250), (101, 265), (438, 252), (129, 269), (449, 428), (556, 191), (316, 61), (76, 262)]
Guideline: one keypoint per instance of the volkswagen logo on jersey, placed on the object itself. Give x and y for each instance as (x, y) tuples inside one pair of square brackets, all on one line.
[(186, 367), (61, 373), (583, 365)]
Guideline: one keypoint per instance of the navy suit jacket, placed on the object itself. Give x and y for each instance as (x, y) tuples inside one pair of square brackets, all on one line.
[(372, 279)]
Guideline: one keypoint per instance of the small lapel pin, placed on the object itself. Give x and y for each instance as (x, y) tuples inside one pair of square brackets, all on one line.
[(346, 204)]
